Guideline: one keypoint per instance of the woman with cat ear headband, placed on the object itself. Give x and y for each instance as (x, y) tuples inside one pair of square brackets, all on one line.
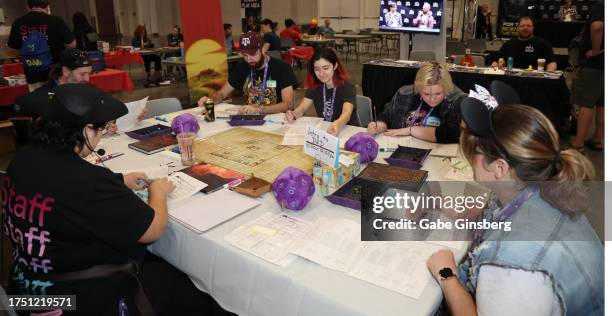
[(551, 261)]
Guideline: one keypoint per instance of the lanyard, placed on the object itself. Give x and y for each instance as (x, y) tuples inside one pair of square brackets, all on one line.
[(508, 211), (416, 114), (328, 112), (262, 85)]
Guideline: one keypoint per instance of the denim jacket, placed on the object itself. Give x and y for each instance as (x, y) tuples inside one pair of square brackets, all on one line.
[(544, 239), (406, 100)]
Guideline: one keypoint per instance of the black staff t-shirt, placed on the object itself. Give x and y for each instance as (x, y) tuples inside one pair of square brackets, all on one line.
[(344, 93), (54, 28), (525, 53), (63, 214), (280, 75)]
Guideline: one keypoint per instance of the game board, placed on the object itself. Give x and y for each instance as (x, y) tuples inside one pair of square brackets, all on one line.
[(248, 151)]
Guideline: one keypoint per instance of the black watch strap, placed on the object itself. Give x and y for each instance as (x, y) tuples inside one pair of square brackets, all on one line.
[(446, 273)]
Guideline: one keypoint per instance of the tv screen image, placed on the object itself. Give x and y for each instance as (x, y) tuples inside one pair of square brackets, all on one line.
[(411, 16)]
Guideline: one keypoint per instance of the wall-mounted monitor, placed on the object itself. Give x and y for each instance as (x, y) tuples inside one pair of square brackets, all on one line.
[(411, 16)]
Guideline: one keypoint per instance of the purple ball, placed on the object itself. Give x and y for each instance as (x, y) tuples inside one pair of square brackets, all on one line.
[(185, 123), (364, 144), (293, 188)]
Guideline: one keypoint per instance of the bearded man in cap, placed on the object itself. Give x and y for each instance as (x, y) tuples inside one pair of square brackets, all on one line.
[(267, 83)]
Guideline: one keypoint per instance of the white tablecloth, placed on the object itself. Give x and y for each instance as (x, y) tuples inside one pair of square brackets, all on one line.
[(247, 285)]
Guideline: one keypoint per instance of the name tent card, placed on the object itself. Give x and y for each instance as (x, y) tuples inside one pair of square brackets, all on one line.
[(322, 146)]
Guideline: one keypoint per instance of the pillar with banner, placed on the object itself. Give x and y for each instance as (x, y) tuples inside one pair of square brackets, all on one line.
[(205, 56)]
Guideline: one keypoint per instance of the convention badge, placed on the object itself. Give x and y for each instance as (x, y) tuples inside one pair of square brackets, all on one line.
[(433, 121), (271, 84)]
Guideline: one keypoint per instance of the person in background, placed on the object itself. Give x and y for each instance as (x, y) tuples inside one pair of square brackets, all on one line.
[(74, 67), (175, 37), (526, 49), (141, 40), (551, 261), (393, 18), (488, 25), (229, 41), (427, 110), (425, 18), (327, 30), (567, 13), (268, 83), (313, 28), (251, 24), (270, 39), (54, 30), (80, 31), (588, 88), (329, 90), (480, 23), (290, 32)]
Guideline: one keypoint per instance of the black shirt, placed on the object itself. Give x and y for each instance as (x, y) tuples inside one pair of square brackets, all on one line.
[(82, 42), (280, 76), (344, 93), (78, 215), (57, 32), (272, 39), (596, 62), (525, 53)]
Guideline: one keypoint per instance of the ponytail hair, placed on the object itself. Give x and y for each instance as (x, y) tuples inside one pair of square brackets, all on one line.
[(532, 143)]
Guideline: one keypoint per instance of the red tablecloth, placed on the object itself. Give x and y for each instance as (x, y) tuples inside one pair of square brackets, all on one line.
[(112, 80), (12, 69), (299, 52), (9, 94), (119, 59)]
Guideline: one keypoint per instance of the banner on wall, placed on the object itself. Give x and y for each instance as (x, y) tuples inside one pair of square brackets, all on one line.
[(205, 57), (250, 4), (510, 12)]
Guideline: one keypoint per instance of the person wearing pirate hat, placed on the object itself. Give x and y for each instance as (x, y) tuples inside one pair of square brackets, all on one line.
[(78, 228), (550, 262)]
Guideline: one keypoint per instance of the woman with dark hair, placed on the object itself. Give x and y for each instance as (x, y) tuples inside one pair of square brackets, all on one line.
[(329, 90), (81, 30), (550, 262), (89, 231), (141, 41)]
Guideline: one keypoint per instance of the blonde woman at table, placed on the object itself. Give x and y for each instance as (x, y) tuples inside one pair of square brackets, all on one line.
[(427, 110), (79, 229), (551, 261), (329, 90)]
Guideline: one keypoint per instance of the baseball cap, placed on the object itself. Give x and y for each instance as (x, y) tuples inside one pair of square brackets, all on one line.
[(76, 103), (74, 58), (250, 42)]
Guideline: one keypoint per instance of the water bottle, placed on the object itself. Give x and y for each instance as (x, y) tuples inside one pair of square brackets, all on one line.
[(510, 63)]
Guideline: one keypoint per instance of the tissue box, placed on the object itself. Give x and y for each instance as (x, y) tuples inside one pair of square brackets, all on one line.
[(332, 178)]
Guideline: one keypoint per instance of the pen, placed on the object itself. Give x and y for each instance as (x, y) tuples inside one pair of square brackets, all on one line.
[(276, 122), (108, 157), (386, 150), (162, 119)]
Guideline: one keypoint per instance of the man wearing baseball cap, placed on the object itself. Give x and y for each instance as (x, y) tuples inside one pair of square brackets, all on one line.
[(267, 82), (74, 67)]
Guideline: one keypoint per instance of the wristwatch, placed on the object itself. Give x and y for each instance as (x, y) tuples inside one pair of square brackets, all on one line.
[(446, 273)]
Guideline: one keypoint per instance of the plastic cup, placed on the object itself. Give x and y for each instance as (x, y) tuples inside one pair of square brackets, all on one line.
[(185, 141), (541, 63)]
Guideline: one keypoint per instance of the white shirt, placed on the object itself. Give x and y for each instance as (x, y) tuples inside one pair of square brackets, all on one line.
[(503, 291)]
